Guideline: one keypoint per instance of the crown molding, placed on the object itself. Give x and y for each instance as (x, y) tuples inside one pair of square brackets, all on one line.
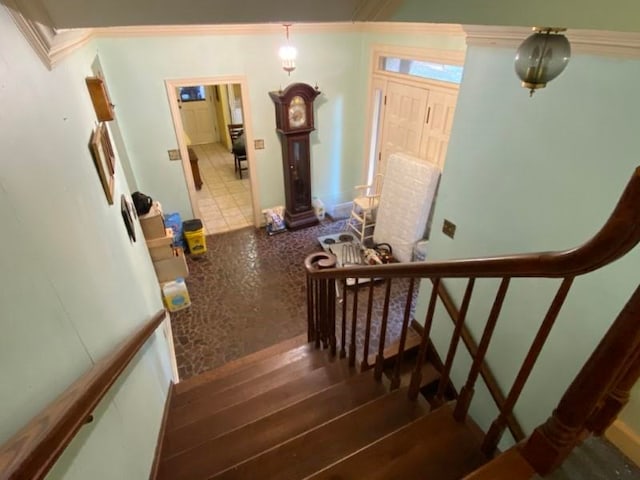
[(594, 42), (276, 28), (50, 44)]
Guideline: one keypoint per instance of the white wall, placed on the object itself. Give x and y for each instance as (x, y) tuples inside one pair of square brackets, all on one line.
[(536, 174), (72, 285)]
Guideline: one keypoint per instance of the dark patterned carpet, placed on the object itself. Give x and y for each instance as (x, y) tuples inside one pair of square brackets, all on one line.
[(248, 293)]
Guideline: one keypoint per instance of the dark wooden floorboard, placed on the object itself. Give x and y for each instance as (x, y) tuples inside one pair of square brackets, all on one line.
[(214, 401), (227, 450), (433, 447), (307, 453), (219, 379), (223, 421)]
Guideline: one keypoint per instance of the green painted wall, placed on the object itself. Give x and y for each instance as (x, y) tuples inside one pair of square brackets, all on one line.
[(534, 174), (615, 15), (73, 286), (332, 61)]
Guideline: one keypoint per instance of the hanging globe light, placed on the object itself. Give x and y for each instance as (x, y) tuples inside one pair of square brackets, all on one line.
[(288, 54), (542, 57)]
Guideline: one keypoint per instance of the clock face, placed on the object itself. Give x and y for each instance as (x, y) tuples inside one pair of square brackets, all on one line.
[(297, 113)]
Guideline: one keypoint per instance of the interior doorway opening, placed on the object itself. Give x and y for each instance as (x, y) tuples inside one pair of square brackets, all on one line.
[(218, 168)]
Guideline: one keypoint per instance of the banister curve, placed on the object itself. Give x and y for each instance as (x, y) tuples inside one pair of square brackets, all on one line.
[(32, 451), (618, 236)]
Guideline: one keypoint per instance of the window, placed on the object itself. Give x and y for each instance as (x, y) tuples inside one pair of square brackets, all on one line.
[(417, 68), (192, 94)]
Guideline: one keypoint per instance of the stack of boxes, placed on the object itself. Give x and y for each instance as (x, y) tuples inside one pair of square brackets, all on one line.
[(168, 260)]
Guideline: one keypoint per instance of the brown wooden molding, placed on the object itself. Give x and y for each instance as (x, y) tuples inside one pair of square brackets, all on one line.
[(617, 237), (32, 451), (163, 426)]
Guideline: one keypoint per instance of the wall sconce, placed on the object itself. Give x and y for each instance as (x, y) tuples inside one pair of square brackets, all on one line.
[(542, 57), (288, 54)]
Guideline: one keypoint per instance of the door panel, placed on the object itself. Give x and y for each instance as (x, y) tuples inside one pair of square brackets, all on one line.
[(437, 126), (199, 121), (402, 129)]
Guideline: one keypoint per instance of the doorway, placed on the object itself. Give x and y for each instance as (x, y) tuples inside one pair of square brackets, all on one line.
[(412, 102), (221, 195)]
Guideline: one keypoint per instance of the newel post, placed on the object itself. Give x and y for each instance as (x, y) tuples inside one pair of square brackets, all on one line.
[(552, 442), (321, 302)]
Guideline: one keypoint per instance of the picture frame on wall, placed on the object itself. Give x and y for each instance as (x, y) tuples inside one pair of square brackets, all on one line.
[(104, 159)]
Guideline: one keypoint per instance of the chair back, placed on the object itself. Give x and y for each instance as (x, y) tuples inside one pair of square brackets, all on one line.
[(235, 130)]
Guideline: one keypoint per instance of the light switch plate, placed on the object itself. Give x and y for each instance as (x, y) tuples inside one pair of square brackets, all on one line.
[(449, 228), (174, 154), (258, 144)]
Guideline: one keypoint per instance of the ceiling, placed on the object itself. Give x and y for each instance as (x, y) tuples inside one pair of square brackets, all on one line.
[(615, 15)]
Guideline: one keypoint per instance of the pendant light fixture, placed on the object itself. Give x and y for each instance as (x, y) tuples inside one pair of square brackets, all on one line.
[(542, 57), (288, 54)]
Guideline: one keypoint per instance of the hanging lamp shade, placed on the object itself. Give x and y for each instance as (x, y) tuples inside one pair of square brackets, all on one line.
[(542, 57)]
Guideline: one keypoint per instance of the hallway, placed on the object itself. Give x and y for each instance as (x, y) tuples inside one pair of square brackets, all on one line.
[(224, 200)]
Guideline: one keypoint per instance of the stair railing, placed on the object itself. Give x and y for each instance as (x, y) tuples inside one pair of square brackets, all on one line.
[(618, 236), (33, 451)]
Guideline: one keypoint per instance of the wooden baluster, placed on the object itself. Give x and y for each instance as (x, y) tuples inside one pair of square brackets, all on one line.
[(498, 426), (395, 381), (332, 316), (383, 332), (318, 319), (466, 394), (354, 324), (617, 397), (323, 312), (343, 340), (416, 377), (367, 329), (310, 311), (455, 339), (552, 442)]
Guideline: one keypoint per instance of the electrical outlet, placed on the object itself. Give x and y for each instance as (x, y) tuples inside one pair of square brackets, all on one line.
[(174, 154), (449, 228), (258, 144)]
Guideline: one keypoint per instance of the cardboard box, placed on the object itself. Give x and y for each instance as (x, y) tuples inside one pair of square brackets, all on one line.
[(152, 223), (160, 248), (169, 269)]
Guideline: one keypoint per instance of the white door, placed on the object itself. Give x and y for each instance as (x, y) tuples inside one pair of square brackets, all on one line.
[(405, 111), (199, 119), (437, 126)]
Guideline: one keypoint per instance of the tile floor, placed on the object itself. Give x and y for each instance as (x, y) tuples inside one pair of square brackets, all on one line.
[(224, 200)]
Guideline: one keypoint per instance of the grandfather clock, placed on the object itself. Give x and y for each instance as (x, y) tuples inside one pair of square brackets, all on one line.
[(294, 124)]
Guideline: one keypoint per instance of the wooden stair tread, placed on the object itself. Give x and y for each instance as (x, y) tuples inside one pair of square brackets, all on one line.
[(509, 465), (311, 451), (391, 351), (432, 447), (211, 401), (237, 371), (223, 452), (429, 374), (235, 416)]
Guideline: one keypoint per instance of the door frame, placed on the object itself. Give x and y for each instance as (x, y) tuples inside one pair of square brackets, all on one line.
[(377, 76), (172, 85)]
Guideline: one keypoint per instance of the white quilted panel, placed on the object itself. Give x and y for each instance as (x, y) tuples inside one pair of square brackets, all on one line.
[(405, 203)]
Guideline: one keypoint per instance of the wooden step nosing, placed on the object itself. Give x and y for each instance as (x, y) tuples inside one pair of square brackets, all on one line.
[(284, 407), (311, 430), (303, 369), (272, 363)]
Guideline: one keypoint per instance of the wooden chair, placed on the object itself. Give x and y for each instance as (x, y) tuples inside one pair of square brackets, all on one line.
[(236, 130), (364, 208)]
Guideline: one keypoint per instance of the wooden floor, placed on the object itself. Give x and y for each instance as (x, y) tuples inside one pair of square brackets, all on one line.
[(294, 413)]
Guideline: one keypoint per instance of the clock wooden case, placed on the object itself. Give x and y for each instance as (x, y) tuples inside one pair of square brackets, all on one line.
[(294, 124)]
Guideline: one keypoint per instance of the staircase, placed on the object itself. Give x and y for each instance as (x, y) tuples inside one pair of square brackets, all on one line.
[(301, 413)]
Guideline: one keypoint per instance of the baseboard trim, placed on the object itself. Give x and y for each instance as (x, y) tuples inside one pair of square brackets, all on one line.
[(625, 439), (165, 415)]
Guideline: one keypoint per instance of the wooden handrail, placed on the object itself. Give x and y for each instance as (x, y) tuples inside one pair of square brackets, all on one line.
[(485, 372), (620, 234), (32, 451)]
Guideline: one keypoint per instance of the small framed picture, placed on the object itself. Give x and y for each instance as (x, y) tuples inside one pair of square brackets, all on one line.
[(104, 160), (126, 209)]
